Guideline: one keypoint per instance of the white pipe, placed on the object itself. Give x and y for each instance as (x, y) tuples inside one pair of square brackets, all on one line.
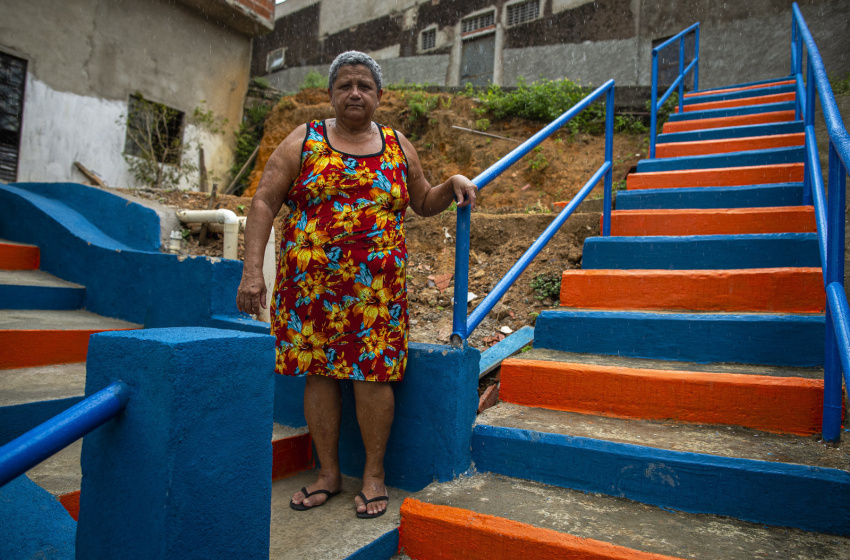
[(269, 276), (220, 216)]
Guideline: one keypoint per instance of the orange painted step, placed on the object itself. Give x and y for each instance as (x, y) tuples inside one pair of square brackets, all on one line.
[(291, 455), (448, 533), (725, 122), (30, 348), (774, 290), (720, 177), (742, 88), (713, 221), (729, 145), (744, 102), (773, 404), (18, 257)]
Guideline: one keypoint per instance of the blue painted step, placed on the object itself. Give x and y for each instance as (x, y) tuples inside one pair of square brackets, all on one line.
[(768, 250), (747, 84), (733, 111), (747, 131), (752, 196), (756, 338), (33, 289), (773, 156), (811, 498), (758, 92)]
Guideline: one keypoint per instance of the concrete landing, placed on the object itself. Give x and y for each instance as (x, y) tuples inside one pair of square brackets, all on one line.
[(630, 524), (34, 278), (723, 441), (330, 532), (37, 319), (27, 385)]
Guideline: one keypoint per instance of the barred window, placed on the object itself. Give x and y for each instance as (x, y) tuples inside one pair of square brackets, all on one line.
[(526, 11), (429, 39), (478, 22), (154, 131)]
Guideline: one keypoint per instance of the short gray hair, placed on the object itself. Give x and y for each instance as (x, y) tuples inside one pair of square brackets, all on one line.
[(355, 58)]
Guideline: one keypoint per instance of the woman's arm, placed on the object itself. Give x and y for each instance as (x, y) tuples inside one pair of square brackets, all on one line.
[(280, 172), (426, 200)]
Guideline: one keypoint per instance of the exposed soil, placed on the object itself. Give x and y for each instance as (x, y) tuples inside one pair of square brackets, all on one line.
[(513, 210)]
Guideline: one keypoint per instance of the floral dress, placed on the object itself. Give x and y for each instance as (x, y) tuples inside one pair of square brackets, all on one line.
[(340, 301)]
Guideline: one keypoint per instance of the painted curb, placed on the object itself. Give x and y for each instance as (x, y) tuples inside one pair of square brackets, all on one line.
[(746, 196), (773, 156), (722, 122), (728, 145), (721, 221), (768, 129), (717, 177)]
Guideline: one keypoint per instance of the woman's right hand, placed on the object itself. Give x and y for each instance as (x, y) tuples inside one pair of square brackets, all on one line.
[(251, 295)]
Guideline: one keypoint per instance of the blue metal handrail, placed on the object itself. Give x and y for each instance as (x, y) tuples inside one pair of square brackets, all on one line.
[(829, 213), (43, 441), (679, 82), (463, 326)]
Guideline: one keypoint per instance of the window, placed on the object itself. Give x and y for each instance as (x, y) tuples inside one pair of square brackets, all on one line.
[(13, 77), (523, 12), (154, 131), (429, 39), (275, 59), (477, 23)]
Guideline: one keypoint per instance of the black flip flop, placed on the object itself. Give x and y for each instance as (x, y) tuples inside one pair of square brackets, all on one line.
[(302, 507), (366, 514)]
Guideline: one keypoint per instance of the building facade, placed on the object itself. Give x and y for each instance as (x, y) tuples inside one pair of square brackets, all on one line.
[(454, 42), (71, 72)]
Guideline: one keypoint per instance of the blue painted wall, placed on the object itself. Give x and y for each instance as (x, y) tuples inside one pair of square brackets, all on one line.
[(185, 470), (33, 524)]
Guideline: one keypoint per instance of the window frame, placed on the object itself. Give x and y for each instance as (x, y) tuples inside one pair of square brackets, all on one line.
[(176, 128), (518, 3), (427, 30), (271, 56), (481, 30)]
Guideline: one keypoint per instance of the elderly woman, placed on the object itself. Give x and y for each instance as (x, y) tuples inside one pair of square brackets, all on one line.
[(339, 309)]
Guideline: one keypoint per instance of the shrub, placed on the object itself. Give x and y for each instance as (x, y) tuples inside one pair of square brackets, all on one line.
[(314, 80), (547, 285)]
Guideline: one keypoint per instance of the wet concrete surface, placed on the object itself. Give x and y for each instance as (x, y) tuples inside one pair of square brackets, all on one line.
[(34, 278), (631, 524), (35, 384), (38, 319)]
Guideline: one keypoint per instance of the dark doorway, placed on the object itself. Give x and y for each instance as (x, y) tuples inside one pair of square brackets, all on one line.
[(476, 65), (13, 77)]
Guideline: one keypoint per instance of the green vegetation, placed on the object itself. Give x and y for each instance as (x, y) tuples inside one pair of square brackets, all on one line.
[(482, 125), (314, 80), (547, 285), (840, 86), (419, 104), (248, 137), (538, 161)]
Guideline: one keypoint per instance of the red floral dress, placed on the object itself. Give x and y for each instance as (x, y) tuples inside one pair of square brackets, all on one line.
[(340, 302)]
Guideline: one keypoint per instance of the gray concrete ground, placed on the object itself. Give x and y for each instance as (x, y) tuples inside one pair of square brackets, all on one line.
[(38, 319), (626, 523), (34, 278), (26, 385)]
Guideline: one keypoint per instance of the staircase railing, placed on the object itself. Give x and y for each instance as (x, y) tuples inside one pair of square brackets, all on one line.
[(829, 213), (54, 435), (678, 83), (463, 325)]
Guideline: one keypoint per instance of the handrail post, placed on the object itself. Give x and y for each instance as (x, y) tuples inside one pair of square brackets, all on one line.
[(609, 157), (654, 109), (696, 55), (682, 74), (459, 300), (836, 200), (809, 114)]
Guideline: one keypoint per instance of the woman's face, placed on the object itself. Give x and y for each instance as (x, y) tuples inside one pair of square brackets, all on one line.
[(355, 95)]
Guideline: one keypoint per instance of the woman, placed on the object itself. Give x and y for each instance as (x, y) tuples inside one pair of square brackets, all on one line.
[(340, 304)]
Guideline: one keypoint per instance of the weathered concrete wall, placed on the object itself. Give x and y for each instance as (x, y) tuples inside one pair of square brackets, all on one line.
[(87, 57), (586, 41)]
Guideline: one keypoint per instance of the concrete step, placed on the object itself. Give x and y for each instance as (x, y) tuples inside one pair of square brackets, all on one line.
[(42, 337), (752, 130), (776, 404), (701, 252), (714, 221), (773, 156), (18, 256), (747, 338), (768, 290), (496, 517), (728, 145), (36, 289), (746, 196), (732, 111), (771, 479), (788, 80), (727, 121), (760, 91), (717, 177), (705, 105)]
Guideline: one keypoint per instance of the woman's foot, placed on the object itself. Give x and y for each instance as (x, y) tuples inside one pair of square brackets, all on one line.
[(316, 497), (372, 488)]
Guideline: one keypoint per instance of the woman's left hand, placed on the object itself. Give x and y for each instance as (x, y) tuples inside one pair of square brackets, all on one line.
[(465, 191)]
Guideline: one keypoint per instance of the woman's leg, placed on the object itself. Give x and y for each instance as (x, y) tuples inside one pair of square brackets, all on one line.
[(323, 410), (375, 403)]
